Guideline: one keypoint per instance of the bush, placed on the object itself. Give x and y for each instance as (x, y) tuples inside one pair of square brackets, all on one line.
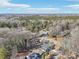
[(3, 53), (71, 42)]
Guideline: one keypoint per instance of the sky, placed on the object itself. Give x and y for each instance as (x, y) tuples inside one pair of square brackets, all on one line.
[(39, 6)]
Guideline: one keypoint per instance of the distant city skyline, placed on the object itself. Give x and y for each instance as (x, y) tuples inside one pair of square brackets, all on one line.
[(39, 6)]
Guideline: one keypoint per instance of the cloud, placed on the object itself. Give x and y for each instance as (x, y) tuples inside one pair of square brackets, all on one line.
[(7, 3), (9, 7), (32, 10), (41, 10), (76, 6)]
